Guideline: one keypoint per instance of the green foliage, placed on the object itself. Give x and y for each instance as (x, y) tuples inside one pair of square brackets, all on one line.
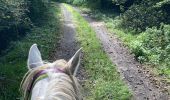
[(13, 64), (13, 20), (37, 8), (153, 46), (157, 43), (16, 17), (64, 1), (13, 12), (78, 2), (122, 4), (162, 3), (144, 14)]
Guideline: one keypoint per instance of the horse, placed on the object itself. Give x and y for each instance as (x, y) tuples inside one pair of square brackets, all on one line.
[(51, 81)]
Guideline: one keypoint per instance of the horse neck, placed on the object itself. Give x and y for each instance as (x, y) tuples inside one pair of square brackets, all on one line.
[(39, 90), (57, 86)]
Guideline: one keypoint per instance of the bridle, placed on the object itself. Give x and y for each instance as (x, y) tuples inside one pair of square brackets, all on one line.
[(39, 75)]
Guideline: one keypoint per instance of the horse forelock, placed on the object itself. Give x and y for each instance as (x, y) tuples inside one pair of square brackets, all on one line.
[(60, 86)]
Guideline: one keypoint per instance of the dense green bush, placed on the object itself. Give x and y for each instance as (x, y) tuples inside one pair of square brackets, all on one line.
[(37, 8), (66, 1), (158, 43), (13, 20), (16, 17), (138, 18), (78, 2), (144, 14), (153, 46), (123, 5)]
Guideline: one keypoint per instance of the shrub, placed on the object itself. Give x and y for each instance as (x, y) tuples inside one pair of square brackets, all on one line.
[(13, 20), (153, 46), (158, 42), (139, 17), (146, 13), (16, 17), (37, 9), (78, 2)]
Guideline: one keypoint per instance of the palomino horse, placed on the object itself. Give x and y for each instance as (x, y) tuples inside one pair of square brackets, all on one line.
[(51, 81)]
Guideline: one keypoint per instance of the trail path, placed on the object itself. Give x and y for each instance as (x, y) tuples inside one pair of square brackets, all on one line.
[(138, 80), (130, 70), (68, 45)]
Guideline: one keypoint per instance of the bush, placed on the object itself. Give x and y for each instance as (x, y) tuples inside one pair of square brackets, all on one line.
[(153, 46), (78, 2), (139, 17), (158, 42), (16, 17), (145, 14), (37, 9), (13, 20)]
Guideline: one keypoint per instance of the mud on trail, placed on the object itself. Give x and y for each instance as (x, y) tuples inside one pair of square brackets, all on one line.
[(140, 82)]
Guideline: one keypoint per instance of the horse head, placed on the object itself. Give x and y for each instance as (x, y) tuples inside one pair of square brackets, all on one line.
[(51, 81)]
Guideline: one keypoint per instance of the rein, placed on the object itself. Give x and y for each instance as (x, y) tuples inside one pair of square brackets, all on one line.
[(39, 75)]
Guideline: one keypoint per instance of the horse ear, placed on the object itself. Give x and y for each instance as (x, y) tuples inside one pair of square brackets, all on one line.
[(34, 57), (74, 62)]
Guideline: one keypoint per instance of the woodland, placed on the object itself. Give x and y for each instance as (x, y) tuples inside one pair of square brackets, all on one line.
[(142, 25)]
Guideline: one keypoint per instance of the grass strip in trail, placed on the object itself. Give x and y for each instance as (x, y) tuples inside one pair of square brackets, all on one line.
[(13, 64), (104, 82)]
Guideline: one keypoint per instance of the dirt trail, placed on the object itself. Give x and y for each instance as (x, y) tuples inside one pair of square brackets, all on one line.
[(131, 71), (68, 45)]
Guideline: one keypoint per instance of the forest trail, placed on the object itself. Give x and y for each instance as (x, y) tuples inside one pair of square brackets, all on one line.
[(139, 80)]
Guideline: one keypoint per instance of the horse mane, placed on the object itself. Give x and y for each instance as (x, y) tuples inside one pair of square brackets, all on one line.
[(68, 88)]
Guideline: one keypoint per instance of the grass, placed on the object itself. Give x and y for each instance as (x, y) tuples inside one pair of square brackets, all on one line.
[(104, 81), (13, 64)]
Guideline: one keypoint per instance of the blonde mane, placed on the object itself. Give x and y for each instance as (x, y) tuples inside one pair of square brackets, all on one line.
[(64, 86)]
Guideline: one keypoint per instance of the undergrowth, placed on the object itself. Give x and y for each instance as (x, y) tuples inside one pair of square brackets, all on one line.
[(150, 47), (104, 81), (13, 64)]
